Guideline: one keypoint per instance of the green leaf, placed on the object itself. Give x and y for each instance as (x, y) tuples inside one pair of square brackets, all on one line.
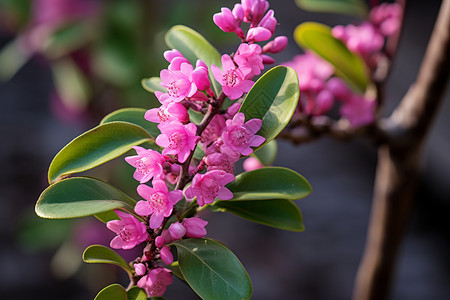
[(80, 197), (175, 268), (136, 293), (212, 270), (347, 7), (134, 116), (267, 154), (95, 147), (194, 46), (273, 99), (279, 213), (269, 183), (112, 292), (105, 217), (97, 254), (152, 84), (318, 38)]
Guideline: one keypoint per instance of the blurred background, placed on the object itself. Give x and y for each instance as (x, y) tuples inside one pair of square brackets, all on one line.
[(66, 64)]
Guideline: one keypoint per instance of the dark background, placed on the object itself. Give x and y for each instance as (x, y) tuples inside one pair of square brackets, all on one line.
[(319, 263)]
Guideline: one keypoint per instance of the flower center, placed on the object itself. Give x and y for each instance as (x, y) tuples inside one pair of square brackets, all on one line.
[(126, 233), (230, 78), (173, 89), (162, 116), (157, 201), (175, 141), (241, 136)]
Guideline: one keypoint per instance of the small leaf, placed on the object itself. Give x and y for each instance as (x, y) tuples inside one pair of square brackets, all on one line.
[(134, 116), (279, 213), (102, 255), (136, 293), (273, 99), (269, 183), (95, 147), (112, 292), (175, 268), (194, 46), (267, 154), (318, 38), (212, 270), (80, 197), (152, 84), (347, 7)]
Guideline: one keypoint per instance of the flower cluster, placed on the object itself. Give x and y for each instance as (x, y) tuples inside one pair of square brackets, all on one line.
[(174, 175), (321, 90)]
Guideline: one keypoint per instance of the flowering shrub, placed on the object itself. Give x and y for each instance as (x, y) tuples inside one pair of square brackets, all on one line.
[(184, 152)]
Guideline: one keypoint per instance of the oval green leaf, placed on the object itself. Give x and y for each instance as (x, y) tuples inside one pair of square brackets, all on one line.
[(279, 213), (80, 197), (194, 46), (112, 292), (273, 99), (97, 254), (269, 183), (136, 293), (95, 147), (356, 8), (267, 154), (152, 84), (133, 116), (349, 66), (212, 270)]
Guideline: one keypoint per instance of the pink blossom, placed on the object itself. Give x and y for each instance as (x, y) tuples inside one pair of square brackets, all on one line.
[(267, 60), (172, 111), (177, 139), (252, 163), (206, 187), (148, 164), (254, 10), (166, 255), (155, 282), (158, 202), (323, 103), (195, 227), (232, 110), (214, 130), (363, 39), (163, 239), (178, 83), (277, 45), (232, 79), (140, 269), (248, 58), (200, 76), (177, 231), (226, 21), (268, 21), (238, 13), (258, 34), (240, 137), (130, 232), (386, 17), (221, 157), (358, 110), (339, 88)]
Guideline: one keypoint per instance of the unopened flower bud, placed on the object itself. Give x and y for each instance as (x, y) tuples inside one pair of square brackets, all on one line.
[(140, 269), (195, 227), (177, 231), (277, 45), (166, 255)]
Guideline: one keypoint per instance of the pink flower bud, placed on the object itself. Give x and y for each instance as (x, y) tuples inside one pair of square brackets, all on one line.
[(200, 76), (324, 102), (232, 110), (258, 34), (339, 88), (269, 21), (177, 231), (225, 20), (169, 55), (195, 227), (140, 269), (238, 13), (277, 45), (254, 10), (267, 60), (166, 255)]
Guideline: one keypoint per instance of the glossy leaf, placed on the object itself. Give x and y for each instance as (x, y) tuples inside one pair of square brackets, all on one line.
[(273, 99), (318, 38), (107, 216), (136, 293), (279, 213), (194, 46), (134, 116), (102, 255), (269, 183), (348, 7), (212, 270), (267, 154), (80, 197), (152, 84), (112, 292), (175, 268), (95, 147)]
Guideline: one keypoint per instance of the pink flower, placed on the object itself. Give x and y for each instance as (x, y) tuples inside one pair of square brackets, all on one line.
[(277, 45), (254, 10), (214, 130), (240, 137), (175, 58), (148, 164), (140, 269), (268, 21), (206, 187), (258, 34), (339, 88), (226, 21), (177, 231), (358, 110), (232, 79), (195, 227), (232, 110), (200, 76), (172, 111), (155, 282), (177, 139), (248, 58), (252, 163), (178, 83), (158, 202), (363, 39), (166, 255), (386, 17), (220, 157), (130, 232)]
